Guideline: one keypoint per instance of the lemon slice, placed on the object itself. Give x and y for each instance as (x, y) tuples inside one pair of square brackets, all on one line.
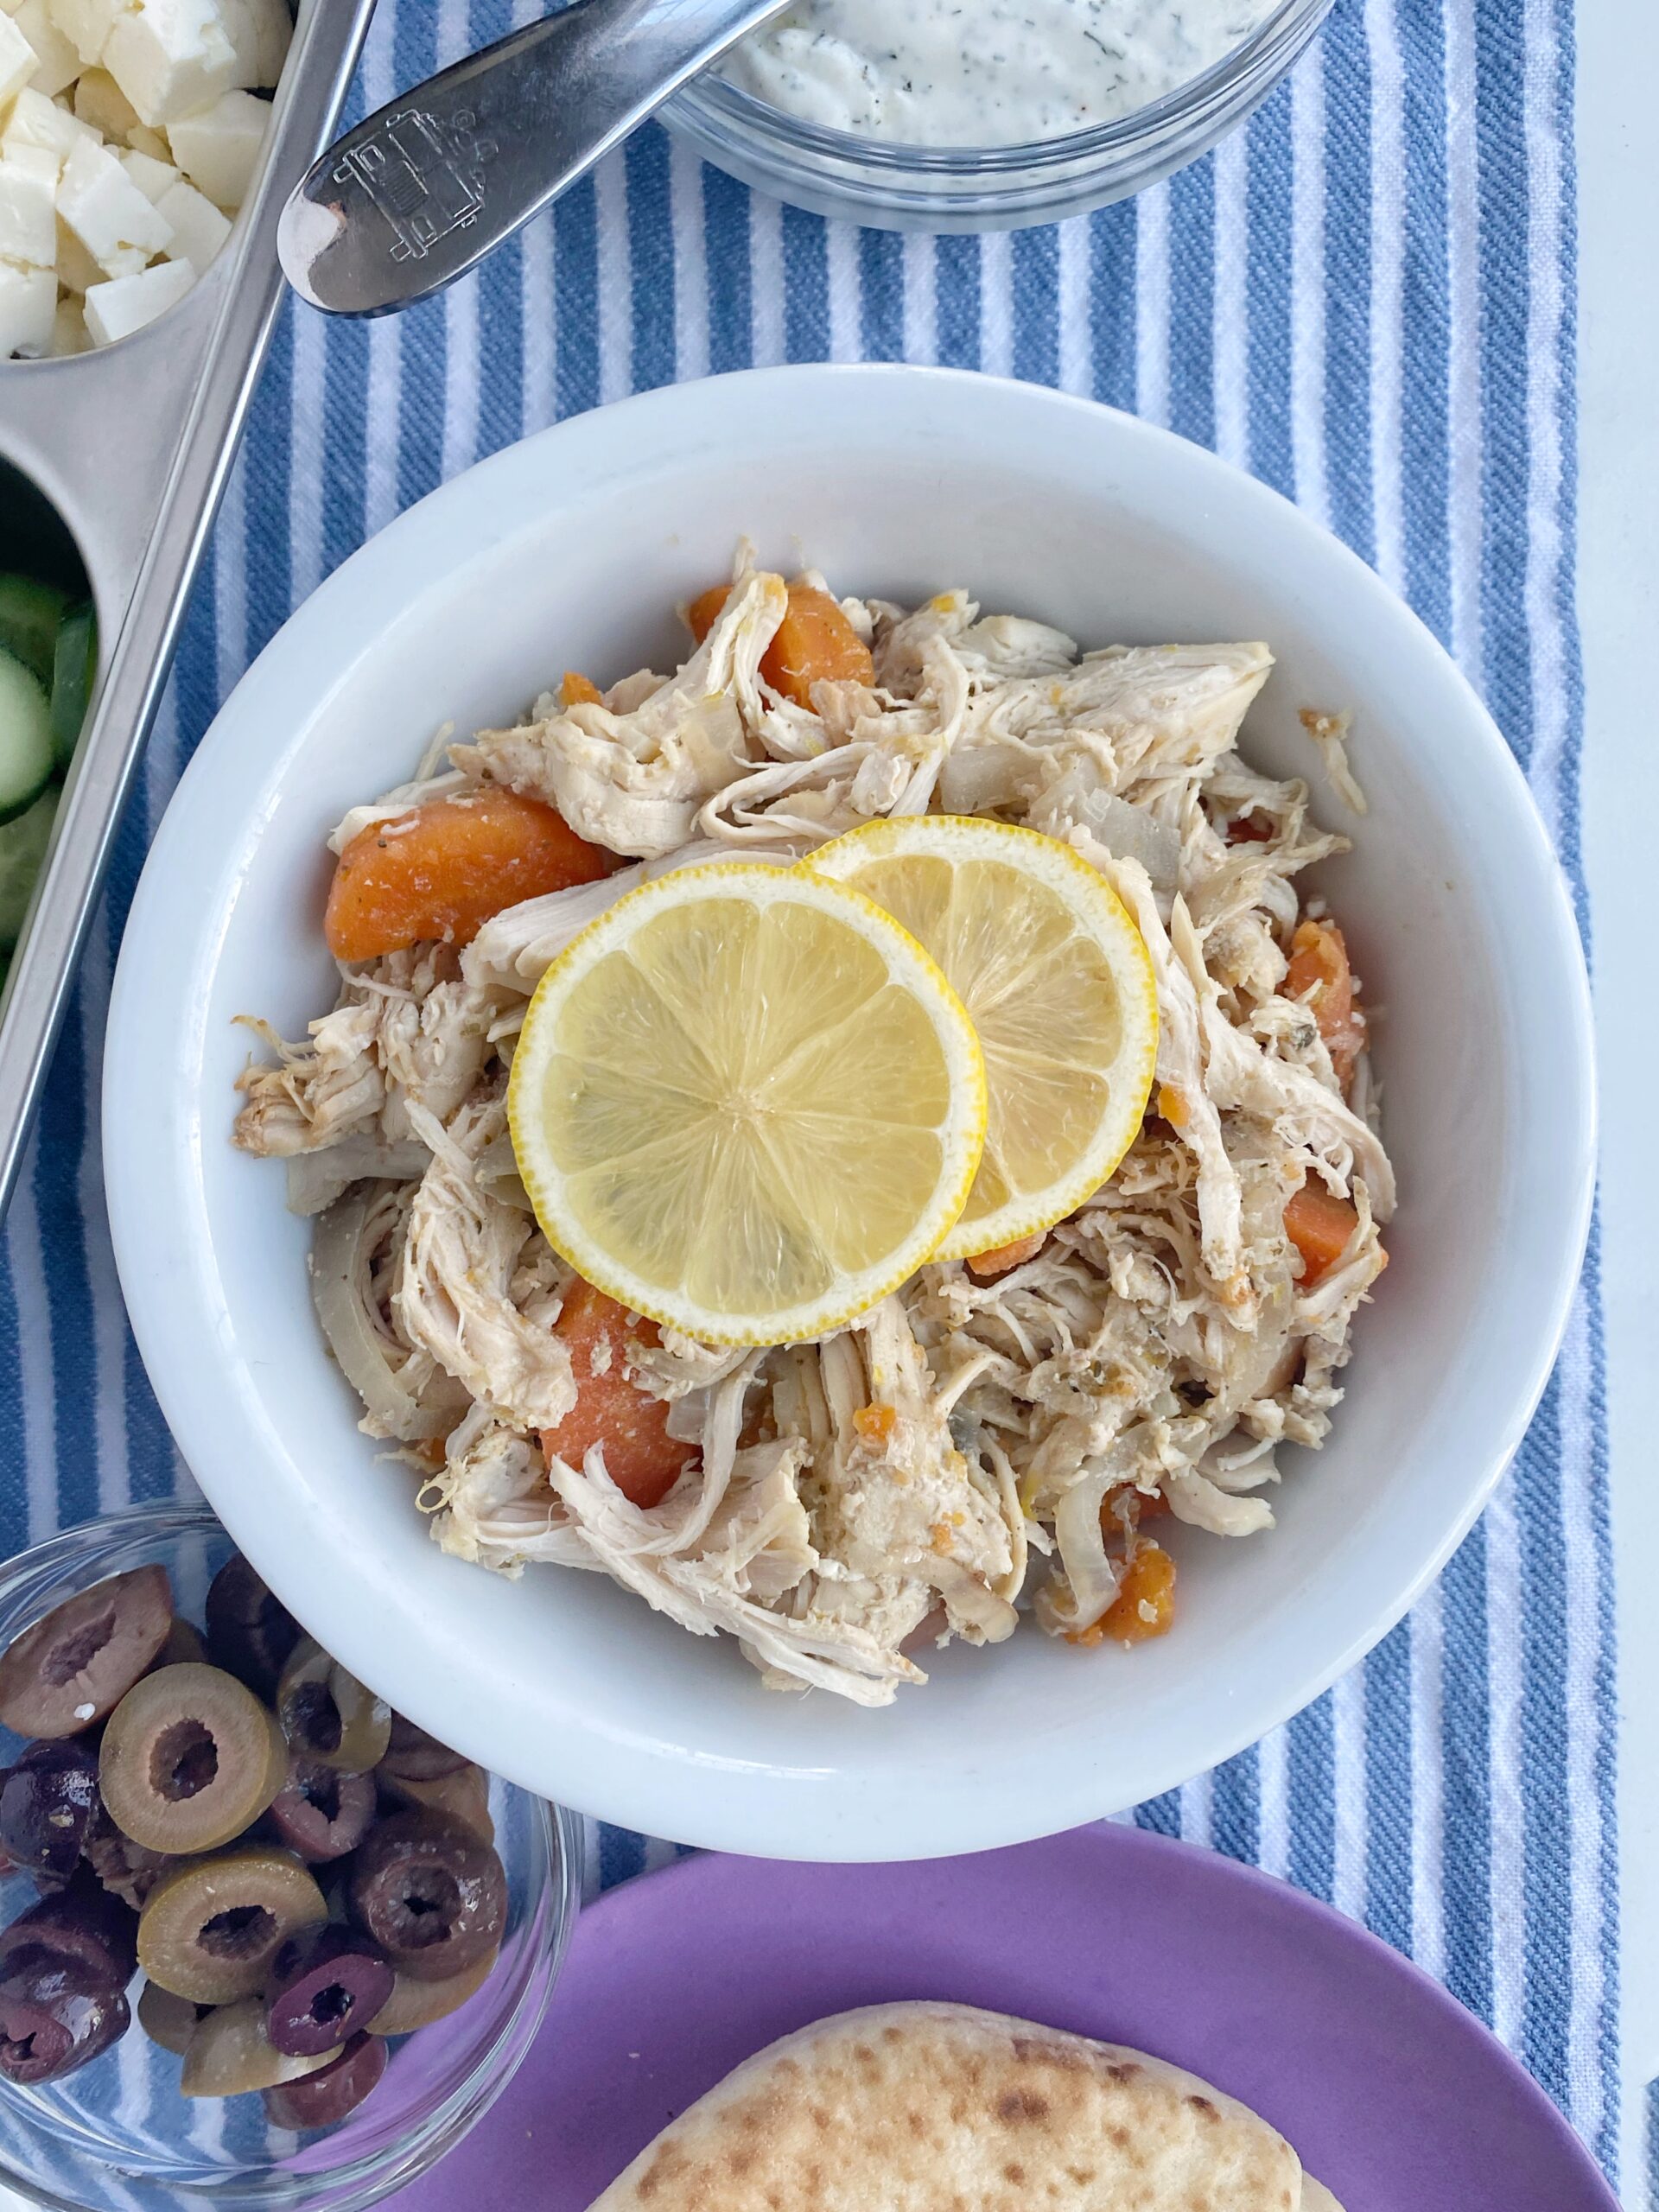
[(744, 1102), (1059, 984)]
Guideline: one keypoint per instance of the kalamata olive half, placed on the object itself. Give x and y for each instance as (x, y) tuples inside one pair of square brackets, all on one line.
[(168, 2020), (48, 1803), (328, 1714), (323, 2099), (249, 1633), (230, 2053), (417, 2003), (322, 1813), (190, 1758), (72, 1669), (411, 1753), (83, 1922), (326, 1982), (55, 2014), (430, 1893), (212, 1925), (464, 1796)]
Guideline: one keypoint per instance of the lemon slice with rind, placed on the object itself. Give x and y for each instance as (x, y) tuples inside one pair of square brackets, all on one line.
[(746, 1103), (1056, 980)]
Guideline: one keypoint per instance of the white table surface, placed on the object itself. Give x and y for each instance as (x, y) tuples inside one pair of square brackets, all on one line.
[(1618, 582)]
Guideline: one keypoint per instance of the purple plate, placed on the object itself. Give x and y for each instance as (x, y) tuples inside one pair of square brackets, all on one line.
[(1393, 2094)]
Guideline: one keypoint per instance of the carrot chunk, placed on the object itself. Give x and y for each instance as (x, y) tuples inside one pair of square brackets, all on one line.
[(814, 641), (1145, 1603), (579, 691), (1003, 1257), (641, 1458), (1320, 973), (443, 869), (1319, 1226)]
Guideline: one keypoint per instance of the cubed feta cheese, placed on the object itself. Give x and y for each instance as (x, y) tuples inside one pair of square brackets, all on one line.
[(107, 212), (18, 62), (154, 179), (86, 24), (144, 140), (101, 102), (199, 229), (69, 330), (171, 57), (57, 63), (29, 302), (260, 31), (29, 225), (77, 271), (115, 309), (219, 149), (36, 121)]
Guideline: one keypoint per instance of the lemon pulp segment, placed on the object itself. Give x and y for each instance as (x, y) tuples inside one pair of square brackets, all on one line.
[(746, 1103), (1059, 984)]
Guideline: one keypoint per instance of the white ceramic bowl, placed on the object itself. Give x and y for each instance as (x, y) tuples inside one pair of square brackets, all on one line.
[(570, 552)]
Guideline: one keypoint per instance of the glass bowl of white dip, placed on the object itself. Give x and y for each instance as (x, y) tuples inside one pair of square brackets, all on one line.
[(1035, 164)]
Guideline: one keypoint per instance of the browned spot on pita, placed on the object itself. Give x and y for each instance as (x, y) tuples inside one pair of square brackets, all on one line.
[(1013, 2172), (1121, 2070), (892, 2035), (1018, 2106), (1203, 2105), (819, 2117), (1082, 2175)]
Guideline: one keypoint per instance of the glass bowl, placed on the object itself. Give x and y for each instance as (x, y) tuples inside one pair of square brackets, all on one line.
[(117, 2137), (895, 188)]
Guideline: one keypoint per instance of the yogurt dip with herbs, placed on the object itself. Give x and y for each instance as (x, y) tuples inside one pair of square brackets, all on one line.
[(983, 72)]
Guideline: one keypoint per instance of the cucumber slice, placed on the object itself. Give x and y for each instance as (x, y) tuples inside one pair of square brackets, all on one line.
[(29, 614), (74, 670), (25, 738), (23, 848)]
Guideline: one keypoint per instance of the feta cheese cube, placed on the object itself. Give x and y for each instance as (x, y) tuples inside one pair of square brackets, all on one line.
[(29, 225), (260, 31), (77, 271), (199, 229), (18, 61), (86, 24), (56, 62), (154, 179), (107, 212), (36, 121), (171, 57), (69, 330), (127, 303), (100, 102), (219, 149), (144, 140), (28, 304)]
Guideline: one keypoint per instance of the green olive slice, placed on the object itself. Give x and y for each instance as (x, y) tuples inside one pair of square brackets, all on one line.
[(329, 1714), (230, 2053), (189, 1759), (167, 2020), (417, 2004), (211, 1926)]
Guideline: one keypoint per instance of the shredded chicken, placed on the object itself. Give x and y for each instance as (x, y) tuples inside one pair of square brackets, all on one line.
[(971, 1447)]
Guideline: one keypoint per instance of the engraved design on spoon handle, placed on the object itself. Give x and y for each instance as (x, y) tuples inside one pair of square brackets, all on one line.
[(418, 193)]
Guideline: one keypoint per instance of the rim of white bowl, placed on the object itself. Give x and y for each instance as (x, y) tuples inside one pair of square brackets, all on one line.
[(153, 1135)]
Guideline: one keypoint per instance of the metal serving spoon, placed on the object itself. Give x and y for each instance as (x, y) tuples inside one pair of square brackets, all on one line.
[(421, 191)]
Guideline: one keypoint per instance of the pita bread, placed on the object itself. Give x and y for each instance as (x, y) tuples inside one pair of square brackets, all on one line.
[(928, 2107)]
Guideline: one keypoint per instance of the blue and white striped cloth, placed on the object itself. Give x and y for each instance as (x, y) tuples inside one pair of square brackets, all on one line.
[(1366, 297)]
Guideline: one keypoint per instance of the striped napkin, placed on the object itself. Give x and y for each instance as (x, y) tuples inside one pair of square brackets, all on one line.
[(1366, 297)]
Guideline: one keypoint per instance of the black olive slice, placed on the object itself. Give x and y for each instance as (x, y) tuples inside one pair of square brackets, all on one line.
[(72, 1669)]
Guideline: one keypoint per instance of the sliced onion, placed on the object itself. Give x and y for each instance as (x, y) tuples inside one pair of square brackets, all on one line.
[(340, 1265), (316, 1179)]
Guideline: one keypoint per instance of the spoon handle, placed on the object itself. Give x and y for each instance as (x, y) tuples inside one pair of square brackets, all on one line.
[(416, 195)]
